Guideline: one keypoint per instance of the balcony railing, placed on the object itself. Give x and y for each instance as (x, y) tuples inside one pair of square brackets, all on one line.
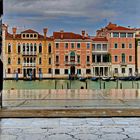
[(29, 64), (68, 63), (29, 53), (123, 64), (101, 64)]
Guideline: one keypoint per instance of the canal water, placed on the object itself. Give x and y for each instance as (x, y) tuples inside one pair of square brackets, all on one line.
[(73, 84)]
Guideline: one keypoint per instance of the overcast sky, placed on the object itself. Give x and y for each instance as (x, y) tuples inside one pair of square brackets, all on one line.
[(70, 15)]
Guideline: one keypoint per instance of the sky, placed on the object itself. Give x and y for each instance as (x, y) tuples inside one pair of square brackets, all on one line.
[(70, 15)]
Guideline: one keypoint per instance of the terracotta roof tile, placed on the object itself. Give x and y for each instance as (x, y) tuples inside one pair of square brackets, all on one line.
[(29, 31), (100, 39)]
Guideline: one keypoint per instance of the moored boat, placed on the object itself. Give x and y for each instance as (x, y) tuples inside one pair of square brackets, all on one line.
[(83, 79), (94, 79), (106, 78)]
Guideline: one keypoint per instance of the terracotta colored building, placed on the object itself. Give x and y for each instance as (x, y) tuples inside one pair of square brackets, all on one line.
[(27, 54), (72, 54), (121, 48)]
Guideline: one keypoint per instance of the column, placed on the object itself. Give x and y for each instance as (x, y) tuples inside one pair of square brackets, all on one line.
[(101, 58), (95, 58), (103, 71)]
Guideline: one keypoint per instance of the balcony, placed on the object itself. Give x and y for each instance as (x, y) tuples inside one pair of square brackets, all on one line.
[(29, 64), (101, 64), (29, 53), (88, 63), (123, 64), (57, 63), (69, 63)]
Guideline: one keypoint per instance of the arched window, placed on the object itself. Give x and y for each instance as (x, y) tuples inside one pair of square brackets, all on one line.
[(18, 47), (27, 60), (123, 58), (49, 48), (24, 60), (18, 60), (72, 56), (35, 47), (9, 60), (9, 48), (23, 47), (40, 48), (31, 60), (31, 45), (27, 47), (40, 60)]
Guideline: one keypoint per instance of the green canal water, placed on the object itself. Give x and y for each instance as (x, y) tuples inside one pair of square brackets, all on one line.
[(67, 84)]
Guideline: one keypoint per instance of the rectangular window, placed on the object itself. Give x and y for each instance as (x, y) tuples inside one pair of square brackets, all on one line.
[(130, 71), (57, 59), (116, 70), (104, 47), (72, 45), (130, 45), (130, 58), (57, 45), (66, 45), (88, 45), (40, 60), (93, 58), (123, 45), (88, 71), (138, 43), (123, 70), (78, 71), (130, 35), (66, 71), (93, 47), (98, 47), (88, 59), (49, 70), (18, 70), (78, 58), (115, 45), (116, 58), (9, 70), (50, 61), (57, 71), (115, 34), (66, 58), (78, 45), (122, 34)]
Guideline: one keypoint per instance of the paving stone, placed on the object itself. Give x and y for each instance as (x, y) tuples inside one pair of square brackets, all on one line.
[(8, 137)]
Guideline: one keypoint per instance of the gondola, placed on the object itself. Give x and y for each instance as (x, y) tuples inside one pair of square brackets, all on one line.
[(94, 79), (113, 79), (83, 79), (106, 79)]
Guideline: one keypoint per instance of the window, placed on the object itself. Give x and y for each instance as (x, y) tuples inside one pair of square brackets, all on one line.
[(122, 34), (104, 47), (31, 45), (123, 70), (88, 59), (115, 34), (93, 58), (66, 71), (130, 58), (88, 71), (116, 70), (18, 70), (35, 35), (18, 48), (78, 45), (9, 70), (130, 45), (40, 70), (31, 35), (9, 60), (23, 47), (27, 35), (23, 35), (57, 71), (27, 47), (88, 45), (18, 61), (98, 47), (72, 56), (66, 58), (78, 71), (116, 58), (40, 60), (123, 58), (78, 58), (9, 48), (93, 47), (72, 45), (115, 45), (49, 70), (31, 60), (57, 59), (130, 35), (66, 45), (35, 47), (49, 48), (123, 45), (57, 45), (40, 48), (50, 61)]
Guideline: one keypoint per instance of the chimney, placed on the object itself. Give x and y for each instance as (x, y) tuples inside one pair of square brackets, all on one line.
[(62, 35), (45, 30), (5, 28), (83, 33), (14, 32)]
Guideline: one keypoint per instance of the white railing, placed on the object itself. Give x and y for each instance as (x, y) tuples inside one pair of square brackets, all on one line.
[(29, 53), (29, 64)]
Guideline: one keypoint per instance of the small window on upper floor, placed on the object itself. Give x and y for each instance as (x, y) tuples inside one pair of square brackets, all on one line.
[(130, 45), (66, 45), (72, 45), (130, 35), (123, 45), (31, 35), (27, 35), (9, 48), (23, 35), (57, 45), (40, 48), (35, 35), (115, 45), (88, 45), (122, 34), (78, 45), (115, 34)]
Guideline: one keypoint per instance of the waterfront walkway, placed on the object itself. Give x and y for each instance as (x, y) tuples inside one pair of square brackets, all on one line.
[(70, 129)]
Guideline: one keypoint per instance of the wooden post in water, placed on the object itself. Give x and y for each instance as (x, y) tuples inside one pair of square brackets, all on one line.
[(55, 84), (62, 86), (132, 84), (86, 85), (117, 83), (137, 85), (70, 84), (67, 85), (121, 85), (104, 85)]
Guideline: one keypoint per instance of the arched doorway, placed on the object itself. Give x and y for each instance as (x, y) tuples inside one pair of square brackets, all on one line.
[(72, 70)]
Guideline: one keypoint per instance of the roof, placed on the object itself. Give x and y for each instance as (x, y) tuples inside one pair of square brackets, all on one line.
[(122, 28), (29, 31), (100, 39), (67, 35)]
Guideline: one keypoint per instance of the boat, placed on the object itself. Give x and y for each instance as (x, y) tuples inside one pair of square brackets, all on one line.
[(106, 79), (124, 78), (94, 79), (113, 79), (83, 79), (137, 78)]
